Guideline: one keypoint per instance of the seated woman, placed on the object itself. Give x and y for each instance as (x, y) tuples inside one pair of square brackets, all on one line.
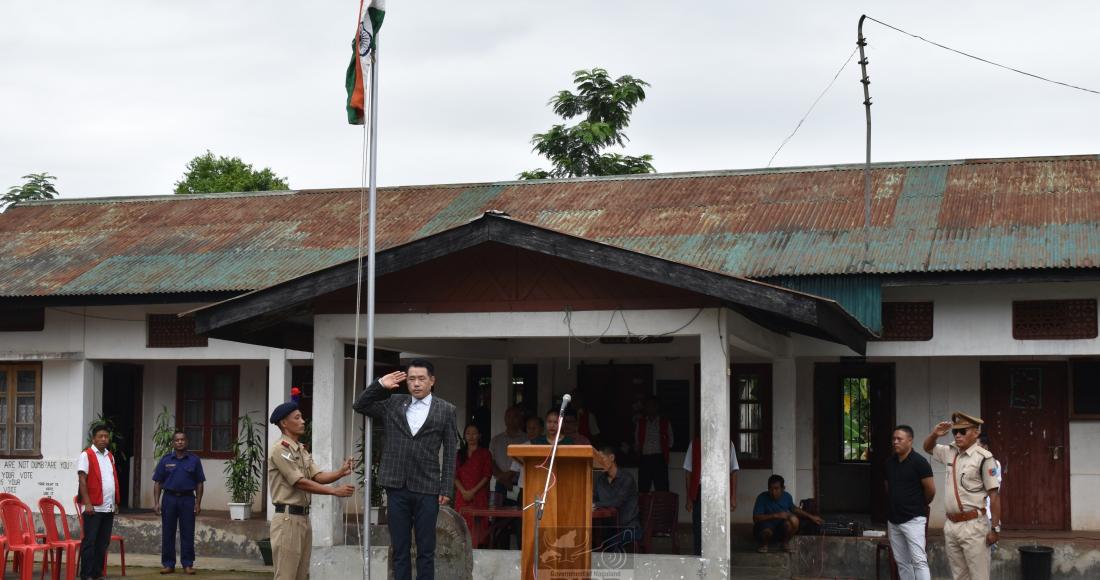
[(775, 517)]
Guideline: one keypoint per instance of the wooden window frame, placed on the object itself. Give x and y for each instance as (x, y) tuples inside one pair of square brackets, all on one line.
[(13, 369), (764, 371), (208, 405)]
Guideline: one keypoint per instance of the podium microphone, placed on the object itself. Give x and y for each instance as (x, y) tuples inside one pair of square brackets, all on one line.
[(540, 501)]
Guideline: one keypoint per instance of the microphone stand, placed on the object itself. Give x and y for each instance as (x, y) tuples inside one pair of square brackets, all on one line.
[(540, 502)]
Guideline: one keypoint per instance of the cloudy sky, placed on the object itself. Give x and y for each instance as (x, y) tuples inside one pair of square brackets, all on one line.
[(115, 97)]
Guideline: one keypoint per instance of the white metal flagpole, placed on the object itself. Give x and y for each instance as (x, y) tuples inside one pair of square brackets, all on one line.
[(367, 435), (369, 57)]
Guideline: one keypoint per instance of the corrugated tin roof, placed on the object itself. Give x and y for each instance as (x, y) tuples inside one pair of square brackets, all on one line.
[(926, 217)]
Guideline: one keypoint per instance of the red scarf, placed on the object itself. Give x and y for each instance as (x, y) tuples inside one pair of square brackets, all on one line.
[(696, 469), (95, 477), (664, 427)]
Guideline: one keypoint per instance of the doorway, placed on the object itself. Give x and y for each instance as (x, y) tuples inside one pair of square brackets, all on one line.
[(122, 394), (1024, 409), (854, 420)]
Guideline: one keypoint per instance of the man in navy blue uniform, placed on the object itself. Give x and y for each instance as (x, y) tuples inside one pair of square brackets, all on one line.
[(179, 476)]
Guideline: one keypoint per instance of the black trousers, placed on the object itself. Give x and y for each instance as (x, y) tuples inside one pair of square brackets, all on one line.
[(652, 470), (412, 513), (94, 542)]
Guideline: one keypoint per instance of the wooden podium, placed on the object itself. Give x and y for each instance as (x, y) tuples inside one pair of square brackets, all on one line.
[(565, 533)]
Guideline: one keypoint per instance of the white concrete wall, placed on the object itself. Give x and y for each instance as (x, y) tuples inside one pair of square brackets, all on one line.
[(159, 391), (77, 341), (1084, 475)]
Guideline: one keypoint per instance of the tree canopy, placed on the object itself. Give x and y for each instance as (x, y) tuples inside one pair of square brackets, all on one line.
[(604, 107), (209, 174), (37, 186)]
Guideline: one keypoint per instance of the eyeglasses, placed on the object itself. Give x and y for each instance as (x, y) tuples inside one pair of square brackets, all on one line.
[(960, 431)]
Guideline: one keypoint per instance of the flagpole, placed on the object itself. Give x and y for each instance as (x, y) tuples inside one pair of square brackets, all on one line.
[(372, 120)]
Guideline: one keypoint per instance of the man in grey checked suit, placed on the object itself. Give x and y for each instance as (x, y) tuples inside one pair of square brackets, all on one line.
[(417, 425)]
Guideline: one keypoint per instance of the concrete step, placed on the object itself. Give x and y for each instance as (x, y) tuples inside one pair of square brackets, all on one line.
[(757, 560), (759, 573)]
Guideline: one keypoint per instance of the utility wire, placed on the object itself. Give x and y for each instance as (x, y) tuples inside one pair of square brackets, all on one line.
[(810, 110), (980, 59)]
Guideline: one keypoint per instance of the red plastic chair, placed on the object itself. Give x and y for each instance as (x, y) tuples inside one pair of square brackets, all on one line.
[(50, 508), (19, 525), (114, 537), (4, 540)]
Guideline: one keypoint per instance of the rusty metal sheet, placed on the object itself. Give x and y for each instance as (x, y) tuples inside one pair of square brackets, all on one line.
[(926, 217)]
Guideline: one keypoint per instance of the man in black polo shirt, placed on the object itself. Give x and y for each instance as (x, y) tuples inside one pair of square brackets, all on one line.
[(911, 487)]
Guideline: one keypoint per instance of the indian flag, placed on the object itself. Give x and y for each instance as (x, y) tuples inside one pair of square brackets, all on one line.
[(362, 56)]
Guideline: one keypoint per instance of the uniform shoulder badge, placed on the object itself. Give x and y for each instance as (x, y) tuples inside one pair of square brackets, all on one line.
[(285, 444), (994, 471)]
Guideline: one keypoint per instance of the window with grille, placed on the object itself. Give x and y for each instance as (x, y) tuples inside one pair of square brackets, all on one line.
[(172, 331), (855, 422), (752, 413), (907, 320), (206, 408), (20, 410), (1054, 319)]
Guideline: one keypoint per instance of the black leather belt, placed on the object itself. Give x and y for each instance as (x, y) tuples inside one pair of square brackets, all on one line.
[(296, 510), (179, 493)]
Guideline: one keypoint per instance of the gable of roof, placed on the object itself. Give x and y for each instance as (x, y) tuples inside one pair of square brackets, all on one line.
[(938, 216), (251, 317)]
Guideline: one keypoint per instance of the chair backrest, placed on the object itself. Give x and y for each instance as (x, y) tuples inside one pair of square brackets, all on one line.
[(18, 522), (663, 509), (50, 508), (79, 514)]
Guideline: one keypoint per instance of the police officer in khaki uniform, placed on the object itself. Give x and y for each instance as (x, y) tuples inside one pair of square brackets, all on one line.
[(293, 477), (971, 477)]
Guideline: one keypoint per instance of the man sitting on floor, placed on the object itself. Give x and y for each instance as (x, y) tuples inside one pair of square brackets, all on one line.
[(775, 517)]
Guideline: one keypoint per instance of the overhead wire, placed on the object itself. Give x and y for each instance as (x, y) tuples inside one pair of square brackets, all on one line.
[(814, 104), (985, 60)]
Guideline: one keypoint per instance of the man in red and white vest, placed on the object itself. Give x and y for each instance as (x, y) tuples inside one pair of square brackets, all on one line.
[(98, 494), (653, 437)]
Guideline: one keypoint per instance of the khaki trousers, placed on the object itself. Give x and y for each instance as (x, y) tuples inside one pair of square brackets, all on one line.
[(291, 544), (967, 551)]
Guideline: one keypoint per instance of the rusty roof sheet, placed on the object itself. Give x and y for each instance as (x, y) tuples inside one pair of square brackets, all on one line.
[(932, 216)]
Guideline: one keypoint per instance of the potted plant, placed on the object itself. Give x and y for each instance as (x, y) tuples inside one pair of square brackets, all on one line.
[(162, 434), (242, 471)]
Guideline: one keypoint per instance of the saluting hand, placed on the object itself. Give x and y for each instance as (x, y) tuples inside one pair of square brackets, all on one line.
[(391, 380), (943, 428)]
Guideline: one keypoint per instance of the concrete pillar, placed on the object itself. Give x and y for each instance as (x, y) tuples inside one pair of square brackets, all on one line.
[(501, 397), (715, 435), (784, 423), (326, 511), (278, 392)]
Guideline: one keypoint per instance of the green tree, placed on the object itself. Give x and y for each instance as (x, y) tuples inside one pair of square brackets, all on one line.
[(37, 186), (209, 174), (604, 107)]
